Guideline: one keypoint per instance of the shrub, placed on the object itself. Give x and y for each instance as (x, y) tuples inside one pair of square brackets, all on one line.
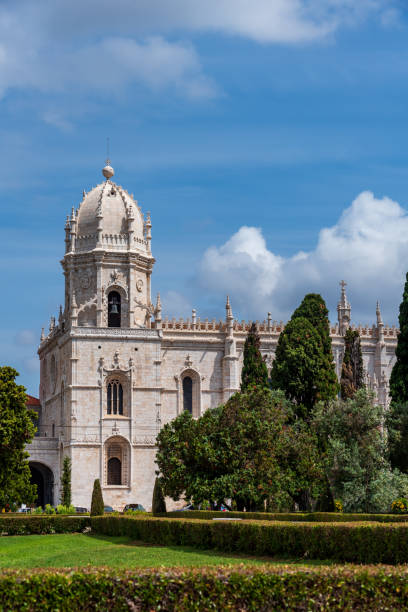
[(97, 505), (338, 505), (37, 510), (26, 524), (158, 502), (66, 482), (355, 542), (250, 588), (65, 509), (309, 517), (400, 506), (49, 509)]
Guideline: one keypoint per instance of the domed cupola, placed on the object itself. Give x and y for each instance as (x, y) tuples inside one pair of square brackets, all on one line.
[(108, 260), (108, 218)]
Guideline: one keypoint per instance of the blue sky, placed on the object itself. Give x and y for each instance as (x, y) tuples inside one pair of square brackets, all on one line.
[(268, 140)]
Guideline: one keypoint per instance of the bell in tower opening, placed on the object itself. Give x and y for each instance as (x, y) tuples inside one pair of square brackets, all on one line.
[(114, 309)]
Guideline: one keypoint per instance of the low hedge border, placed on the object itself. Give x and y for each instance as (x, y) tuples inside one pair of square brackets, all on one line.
[(260, 589), (42, 524), (314, 517), (354, 542)]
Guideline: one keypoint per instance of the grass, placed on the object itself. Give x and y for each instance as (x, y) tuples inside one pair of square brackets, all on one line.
[(78, 550)]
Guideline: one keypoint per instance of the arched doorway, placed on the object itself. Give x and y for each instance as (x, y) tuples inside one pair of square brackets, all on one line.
[(42, 476)]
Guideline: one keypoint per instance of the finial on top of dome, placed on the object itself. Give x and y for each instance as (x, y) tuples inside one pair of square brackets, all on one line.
[(108, 171)]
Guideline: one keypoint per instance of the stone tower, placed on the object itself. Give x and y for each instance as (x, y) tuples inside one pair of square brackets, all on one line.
[(108, 260)]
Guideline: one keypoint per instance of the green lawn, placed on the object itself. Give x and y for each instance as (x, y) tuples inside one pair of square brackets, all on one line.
[(75, 550)]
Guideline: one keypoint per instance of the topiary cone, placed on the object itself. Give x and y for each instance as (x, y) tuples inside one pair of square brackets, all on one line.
[(97, 505)]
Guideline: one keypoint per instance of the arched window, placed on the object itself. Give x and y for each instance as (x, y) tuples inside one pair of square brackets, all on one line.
[(117, 462), (114, 471), (114, 398), (114, 307), (188, 394)]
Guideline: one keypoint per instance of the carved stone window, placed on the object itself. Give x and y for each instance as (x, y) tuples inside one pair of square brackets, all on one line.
[(191, 392), (114, 309), (114, 398), (117, 461), (188, 394)]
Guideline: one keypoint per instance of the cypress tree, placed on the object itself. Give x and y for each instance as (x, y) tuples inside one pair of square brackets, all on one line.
[(97, 505), (352, 370), (314, 309), (66, 482), (399, 374), (298, 368), (254, 370), (158, 502)]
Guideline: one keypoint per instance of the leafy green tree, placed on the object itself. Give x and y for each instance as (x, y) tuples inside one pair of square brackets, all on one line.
[(353, 450), (299, 366), (66, 482), (396, 422), (254, 370), (399, 374), (246, 451), (158, 502), (16, 430), (314, 309), (352, 371), (97, 505)]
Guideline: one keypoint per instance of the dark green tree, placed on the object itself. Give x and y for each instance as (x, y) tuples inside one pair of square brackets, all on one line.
[(314, 309), (97, 505), (66, 482), (396, 421), (300, 366), (16, 430), (254, 370), (399, 374), (246, 451), (158, 501), (352, 370)]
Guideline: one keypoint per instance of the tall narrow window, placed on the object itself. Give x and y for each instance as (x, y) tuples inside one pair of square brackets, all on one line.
[(114, 399), (114, 471), (188, 394), (114, 308)]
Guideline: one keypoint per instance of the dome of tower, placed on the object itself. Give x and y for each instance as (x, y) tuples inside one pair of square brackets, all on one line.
[(108, 217)]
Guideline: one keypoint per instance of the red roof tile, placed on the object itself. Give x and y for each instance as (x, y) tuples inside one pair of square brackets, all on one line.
[(32, 401)]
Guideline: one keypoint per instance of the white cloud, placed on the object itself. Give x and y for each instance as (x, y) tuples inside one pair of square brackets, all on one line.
[(368, 247), (52, 46)]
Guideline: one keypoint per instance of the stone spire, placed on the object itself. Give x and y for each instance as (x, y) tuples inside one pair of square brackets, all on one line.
[(74, 310), (148, 232), (229, 318), (343, 310), (158, 313)]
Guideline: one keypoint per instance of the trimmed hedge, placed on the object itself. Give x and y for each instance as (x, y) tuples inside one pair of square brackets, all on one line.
[(253, 589), (355, 542), (42, 524), (314, 517)]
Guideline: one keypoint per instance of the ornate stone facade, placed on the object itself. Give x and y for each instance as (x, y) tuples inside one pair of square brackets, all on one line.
[(113, 371)]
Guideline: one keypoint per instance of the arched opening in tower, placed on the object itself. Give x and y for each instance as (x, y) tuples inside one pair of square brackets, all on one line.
[(42, 476)]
